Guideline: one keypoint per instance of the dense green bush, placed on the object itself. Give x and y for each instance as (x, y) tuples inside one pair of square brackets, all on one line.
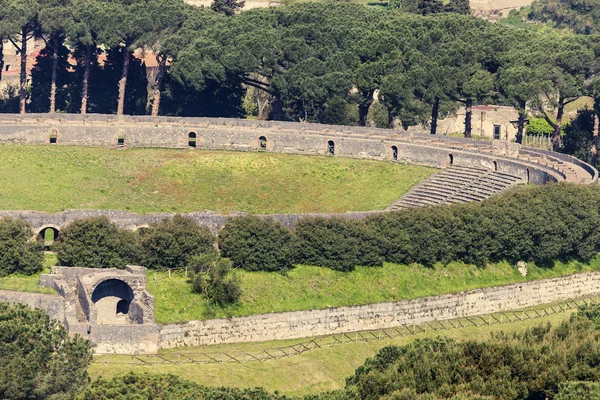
[(256, 244), (96, 243), (173, 242), (535, 364), (164, 387), (17, 253), (38, 359), (215, 279), (337, 243)]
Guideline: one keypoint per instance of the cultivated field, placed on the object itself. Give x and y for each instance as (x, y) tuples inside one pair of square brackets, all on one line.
[(52, 179)]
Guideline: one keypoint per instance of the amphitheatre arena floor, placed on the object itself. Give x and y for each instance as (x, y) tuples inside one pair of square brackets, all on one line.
[(52, 179)]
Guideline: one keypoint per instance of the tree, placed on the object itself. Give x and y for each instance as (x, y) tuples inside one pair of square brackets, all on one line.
[(581, 17), (18, 254), (256, 244), (215, 279), (172, 243), (227, 7), (50, 80), (20, 18), (38, 359), (96, 243)]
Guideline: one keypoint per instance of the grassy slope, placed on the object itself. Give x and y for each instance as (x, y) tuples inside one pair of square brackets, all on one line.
[(25, 283), (312, 372), (46, 178), (312, 287)]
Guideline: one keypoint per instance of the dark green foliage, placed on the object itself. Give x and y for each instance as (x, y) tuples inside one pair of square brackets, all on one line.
[(96, 243), (337, 243), (256, 244), (38, 359), (17, 253), (581, 16), (164, 387), (227, 7), (41, 77), (578, 391), (172, 243), (578, 135), (538, 363), (215, 279)]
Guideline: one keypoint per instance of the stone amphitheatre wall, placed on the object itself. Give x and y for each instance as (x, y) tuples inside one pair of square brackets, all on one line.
[(244, 135), (302, 324)]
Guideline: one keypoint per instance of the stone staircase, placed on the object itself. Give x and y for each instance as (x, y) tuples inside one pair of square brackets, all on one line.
[(456, 184)]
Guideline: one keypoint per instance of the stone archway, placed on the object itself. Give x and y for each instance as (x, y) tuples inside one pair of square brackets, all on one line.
[(48, 234), (112, 299)]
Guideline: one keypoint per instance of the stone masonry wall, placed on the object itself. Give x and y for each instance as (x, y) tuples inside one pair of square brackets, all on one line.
[(52, 304), (376, 316)]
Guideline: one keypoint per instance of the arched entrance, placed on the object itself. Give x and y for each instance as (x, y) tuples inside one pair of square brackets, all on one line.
[(192, 139), (394, 153), (331, 148), (262, 143), (48, 235), (112, 299)]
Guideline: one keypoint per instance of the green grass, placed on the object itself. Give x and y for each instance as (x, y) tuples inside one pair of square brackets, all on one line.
[(29, 283), (306, 287), (55, 178), (311, 372)]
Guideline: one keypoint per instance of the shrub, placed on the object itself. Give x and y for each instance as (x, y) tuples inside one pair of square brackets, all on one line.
[(38, 359), (172, 243), (17, 253), (337, 243), (256, 244), (215, 279), (96, 243)]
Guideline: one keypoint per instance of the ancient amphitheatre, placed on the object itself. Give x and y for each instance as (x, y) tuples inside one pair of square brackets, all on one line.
[(469, 171)]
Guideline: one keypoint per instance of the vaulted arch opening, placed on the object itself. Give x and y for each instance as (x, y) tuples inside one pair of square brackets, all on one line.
[(112, 299)]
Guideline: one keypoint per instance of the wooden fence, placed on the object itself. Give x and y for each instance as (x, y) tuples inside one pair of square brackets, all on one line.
[(180, 358)]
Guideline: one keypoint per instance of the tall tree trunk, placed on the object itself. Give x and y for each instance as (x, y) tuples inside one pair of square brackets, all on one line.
[(276, 111), (87, 60), (435, 111), (521, 122), (162, 64), (556, 142), (363, 110), (1, 56), (594, 148), (54, 42), (123, 80), (390, 119), (23, 82), (468, 117)]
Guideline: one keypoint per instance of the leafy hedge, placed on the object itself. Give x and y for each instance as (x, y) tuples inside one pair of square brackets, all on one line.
[(540, 224), (256, 244), (96, 243), (17, 253), (172, 243)]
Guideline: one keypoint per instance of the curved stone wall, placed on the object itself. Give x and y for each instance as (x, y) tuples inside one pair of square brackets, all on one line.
[(532, 166)]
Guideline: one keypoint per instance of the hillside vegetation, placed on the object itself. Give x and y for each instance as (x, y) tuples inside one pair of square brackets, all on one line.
[(152, 180)]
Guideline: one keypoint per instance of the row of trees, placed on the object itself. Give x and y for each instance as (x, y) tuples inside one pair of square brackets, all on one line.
[(308, 62)]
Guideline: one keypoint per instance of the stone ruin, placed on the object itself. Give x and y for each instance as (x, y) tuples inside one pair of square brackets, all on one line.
[(109, 307)]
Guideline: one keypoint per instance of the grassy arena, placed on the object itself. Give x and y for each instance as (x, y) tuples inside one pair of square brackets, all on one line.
[(55, 178)]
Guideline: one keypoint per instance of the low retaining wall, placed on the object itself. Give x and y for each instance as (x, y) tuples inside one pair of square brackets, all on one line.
[(302, 324), (52, 304)]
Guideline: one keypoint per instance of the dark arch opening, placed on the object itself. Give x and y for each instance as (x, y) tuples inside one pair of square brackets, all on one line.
[(262, 143), (495, 165), (48, 235), (121, 140), (450, 159), (330, 147), (527, 176), (192, 139), (53, 136), (116, 289), (123, 307), (395, 153)]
